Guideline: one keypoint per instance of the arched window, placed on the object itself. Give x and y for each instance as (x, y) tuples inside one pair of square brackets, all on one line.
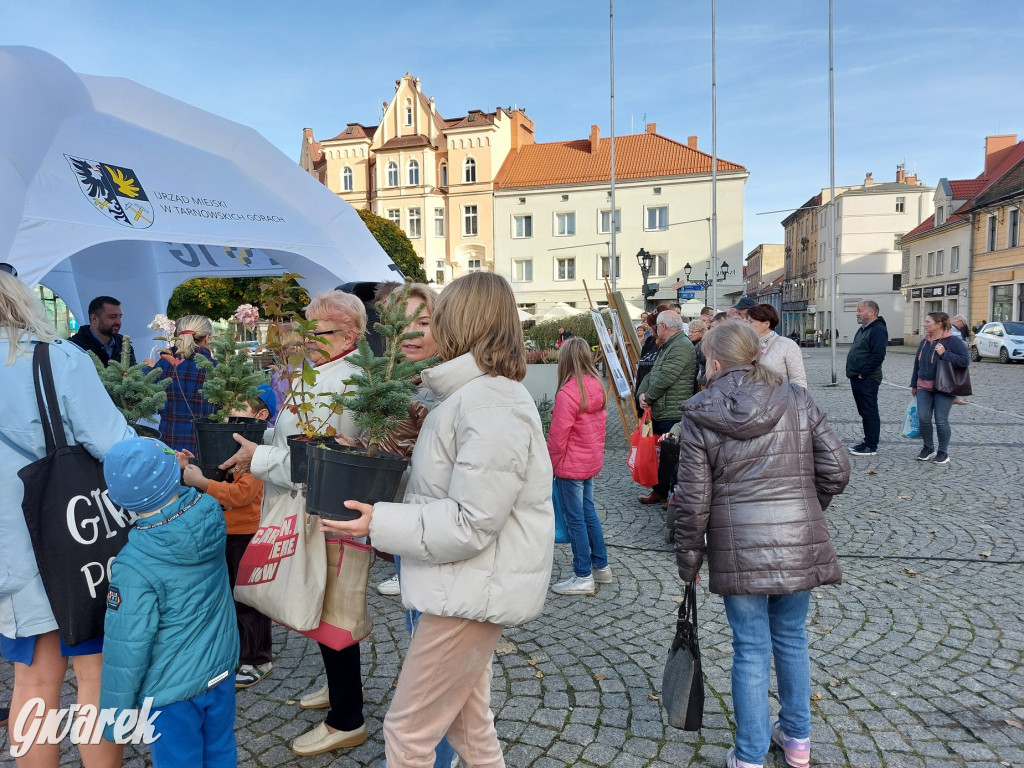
[(444, 174), (469, 171), (414, 173), (346, 179), (392, 174)]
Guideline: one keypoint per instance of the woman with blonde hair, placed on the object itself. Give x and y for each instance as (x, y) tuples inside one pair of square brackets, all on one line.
[(758, 462), (28, 629), (476, 530), (576, 447), (184, 400)]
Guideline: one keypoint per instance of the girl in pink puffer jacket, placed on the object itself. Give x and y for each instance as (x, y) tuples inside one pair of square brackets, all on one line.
[(576, 446)]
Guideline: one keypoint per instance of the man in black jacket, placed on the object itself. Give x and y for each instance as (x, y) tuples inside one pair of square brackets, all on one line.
[(101, 334), (864, 369)]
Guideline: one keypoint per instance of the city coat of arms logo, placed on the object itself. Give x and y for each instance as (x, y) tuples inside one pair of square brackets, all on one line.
[(114, 191)]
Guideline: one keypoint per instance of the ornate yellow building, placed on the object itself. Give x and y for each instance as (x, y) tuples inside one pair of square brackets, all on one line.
[(432, 176)]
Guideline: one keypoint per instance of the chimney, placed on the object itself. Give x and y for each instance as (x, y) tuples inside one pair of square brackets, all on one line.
[(912, 180), (996, 150), (868, 181), (901, 174), (595, 139), (652, 127), (691, 142)]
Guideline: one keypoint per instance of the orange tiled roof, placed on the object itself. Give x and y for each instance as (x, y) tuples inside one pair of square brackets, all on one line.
[(964, 189), (637, 156), (356, 131)]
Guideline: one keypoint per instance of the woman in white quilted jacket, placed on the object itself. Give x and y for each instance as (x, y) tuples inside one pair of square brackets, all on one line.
[(476, 531)]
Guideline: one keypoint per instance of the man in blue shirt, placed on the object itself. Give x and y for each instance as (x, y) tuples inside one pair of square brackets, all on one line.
[(101, 334)]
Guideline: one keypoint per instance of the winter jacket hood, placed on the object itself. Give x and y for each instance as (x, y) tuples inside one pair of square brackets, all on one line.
[(740, 412), (476, 531), (576, 440)]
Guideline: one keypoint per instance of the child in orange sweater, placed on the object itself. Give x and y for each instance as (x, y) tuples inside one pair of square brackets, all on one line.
[(241, 496)]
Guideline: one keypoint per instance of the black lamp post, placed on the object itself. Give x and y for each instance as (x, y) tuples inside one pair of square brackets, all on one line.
[(705, 283), (644, 259)]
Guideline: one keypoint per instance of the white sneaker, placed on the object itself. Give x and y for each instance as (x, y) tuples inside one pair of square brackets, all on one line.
[(602, 575), (575, 585), (390, 587)]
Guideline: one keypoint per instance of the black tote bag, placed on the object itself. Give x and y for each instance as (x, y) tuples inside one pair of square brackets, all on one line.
[(682, 685), (76, 530), (951, 380)]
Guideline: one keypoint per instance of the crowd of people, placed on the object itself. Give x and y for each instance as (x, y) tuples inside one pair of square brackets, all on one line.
[(753, 465)]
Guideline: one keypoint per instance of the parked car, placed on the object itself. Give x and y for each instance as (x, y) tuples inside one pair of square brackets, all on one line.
[(1004, 341)]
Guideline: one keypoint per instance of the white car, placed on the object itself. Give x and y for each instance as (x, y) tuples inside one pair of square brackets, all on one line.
[(1004, 341)]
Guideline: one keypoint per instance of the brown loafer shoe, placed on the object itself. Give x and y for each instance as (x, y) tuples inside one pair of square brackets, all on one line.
[(652, 498)]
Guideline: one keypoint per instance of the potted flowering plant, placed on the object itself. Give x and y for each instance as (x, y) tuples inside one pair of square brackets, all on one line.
[(231, 382), (379, 397)]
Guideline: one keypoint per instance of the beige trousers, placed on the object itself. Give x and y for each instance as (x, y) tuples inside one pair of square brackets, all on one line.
[(445, 687)]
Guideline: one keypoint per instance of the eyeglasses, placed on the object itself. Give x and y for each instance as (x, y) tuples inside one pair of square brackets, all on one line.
[(8, 268), (324, 333)]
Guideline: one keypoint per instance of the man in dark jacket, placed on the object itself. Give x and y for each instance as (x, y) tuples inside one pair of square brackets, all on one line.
[(101, 334), (864, 369)]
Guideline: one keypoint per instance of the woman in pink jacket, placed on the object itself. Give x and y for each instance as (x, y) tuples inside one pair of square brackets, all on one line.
[(576, 445)]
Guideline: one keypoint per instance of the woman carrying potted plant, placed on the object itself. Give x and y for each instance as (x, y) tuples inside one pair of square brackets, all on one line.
[(184, 399), (340, 321), (476, 531)]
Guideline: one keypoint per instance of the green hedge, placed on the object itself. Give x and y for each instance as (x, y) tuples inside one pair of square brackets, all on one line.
[(544, 333)]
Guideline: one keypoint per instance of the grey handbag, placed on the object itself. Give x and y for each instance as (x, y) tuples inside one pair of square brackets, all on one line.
[(682, 685)]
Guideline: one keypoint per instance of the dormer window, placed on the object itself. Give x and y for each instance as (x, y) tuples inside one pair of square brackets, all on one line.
[(940, 215)]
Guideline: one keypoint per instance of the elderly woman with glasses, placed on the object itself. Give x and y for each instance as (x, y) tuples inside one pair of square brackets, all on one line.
[(340, 322)]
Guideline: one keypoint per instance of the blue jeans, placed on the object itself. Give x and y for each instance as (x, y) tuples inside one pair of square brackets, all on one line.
[(585, 534), (939, 404), (199, 731), (443, 752), (763, 625)]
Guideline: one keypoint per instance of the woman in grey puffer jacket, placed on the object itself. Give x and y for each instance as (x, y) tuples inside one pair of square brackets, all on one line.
[(761, 462)]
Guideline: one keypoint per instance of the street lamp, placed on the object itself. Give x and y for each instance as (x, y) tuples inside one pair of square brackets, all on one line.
[(644, 259), (705, 283)]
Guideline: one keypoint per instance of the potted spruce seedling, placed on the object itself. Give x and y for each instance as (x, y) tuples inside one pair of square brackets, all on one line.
[(138, 394), (289, 337), (230, 384), (378, 396)]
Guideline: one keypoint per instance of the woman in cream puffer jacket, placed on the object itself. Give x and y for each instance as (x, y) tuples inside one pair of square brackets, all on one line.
[(476, 530)]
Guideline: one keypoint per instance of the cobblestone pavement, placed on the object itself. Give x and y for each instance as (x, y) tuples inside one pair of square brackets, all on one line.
[(916, 660)]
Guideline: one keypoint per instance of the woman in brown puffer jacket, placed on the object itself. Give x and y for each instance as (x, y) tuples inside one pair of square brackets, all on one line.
[(761, 462)]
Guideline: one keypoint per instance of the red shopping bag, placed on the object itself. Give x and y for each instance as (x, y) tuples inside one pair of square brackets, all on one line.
[(643, 452)]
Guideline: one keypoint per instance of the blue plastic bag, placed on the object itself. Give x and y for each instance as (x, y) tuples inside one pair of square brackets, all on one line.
[(561, 531), (911, 425)]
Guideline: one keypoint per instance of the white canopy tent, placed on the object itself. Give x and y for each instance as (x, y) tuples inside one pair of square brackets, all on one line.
[(110, 188), (558, 310)]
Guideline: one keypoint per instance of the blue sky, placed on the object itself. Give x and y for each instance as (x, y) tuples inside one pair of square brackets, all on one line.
[(921, 83)]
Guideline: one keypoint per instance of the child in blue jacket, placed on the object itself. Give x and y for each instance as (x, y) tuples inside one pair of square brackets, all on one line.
[(170, 632)]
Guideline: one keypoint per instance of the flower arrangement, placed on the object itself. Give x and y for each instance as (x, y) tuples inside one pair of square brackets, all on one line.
[(247, 315), (164, 324)]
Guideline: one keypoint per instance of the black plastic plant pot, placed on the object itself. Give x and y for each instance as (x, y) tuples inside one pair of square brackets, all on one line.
[(215, 443), (337, 474), (144, 431), (298, 445)]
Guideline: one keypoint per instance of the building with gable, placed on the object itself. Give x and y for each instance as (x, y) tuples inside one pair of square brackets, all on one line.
[(476, 192)]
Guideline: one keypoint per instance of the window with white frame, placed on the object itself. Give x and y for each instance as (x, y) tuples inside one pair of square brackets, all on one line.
[(821, 252), (940, 262), (604, 268), (522, 270), (940, 215), (896, 245), (522, 226), (444, 174), (473, 265), (659, 265), (821, 289), (414, 173), (346, 179), (565, 224), (931, 263), (395, 216), (439, 222), (604, 224), (469, 171), (565, 268), (657, 218), (1013, 230), (392, 174), (954, 259), (439, 272), (415, 223), (917, 265), (469, 220), (408, 111), (901, 204)]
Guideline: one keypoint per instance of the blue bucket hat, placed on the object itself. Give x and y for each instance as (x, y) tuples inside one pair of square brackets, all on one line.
[(142, 474)]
